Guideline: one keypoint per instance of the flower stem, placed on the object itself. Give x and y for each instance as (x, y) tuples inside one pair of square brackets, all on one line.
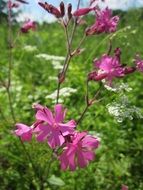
[(62, 75), (88, 102)]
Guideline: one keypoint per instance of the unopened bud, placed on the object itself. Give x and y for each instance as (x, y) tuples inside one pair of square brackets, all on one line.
[(82, 12), (62, 9), (69, 11), (129, 70)]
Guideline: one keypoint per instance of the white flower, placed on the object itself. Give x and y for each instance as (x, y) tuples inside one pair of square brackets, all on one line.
[(50, 57), (119, 87), (64, 92), (123, 109), (57, 65), (30, 48)]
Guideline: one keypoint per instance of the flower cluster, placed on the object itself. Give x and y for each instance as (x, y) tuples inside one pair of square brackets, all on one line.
[(122, 109), (78, 147)]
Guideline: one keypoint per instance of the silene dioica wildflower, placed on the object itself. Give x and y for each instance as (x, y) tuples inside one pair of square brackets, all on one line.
[(74, 148)]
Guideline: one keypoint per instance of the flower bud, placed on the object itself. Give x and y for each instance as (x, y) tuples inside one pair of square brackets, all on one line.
[(69, 11), (62, 9), (82, 12), (51, 9), (129, 70)]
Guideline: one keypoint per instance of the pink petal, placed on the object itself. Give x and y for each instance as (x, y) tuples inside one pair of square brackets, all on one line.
[(59, 113), (90, 142), (26, 136), (45, 115), (67, 128), (82, 162), (55, 139), (44, 131), (78, 137), (64, 161)]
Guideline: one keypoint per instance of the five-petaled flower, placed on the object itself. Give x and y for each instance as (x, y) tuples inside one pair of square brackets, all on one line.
[(108, 67), (104, 22), (52, 127), (78, 151)]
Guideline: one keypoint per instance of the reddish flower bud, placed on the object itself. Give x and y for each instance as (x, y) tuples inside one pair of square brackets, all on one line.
[(81, 12), (69, 11), (62, 9), (51, 9), (22, 1), (129, 70)]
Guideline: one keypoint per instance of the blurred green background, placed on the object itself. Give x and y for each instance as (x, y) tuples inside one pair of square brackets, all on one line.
[(119, 160)]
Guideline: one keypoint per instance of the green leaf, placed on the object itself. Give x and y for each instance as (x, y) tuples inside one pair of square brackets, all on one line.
[(56, 181)]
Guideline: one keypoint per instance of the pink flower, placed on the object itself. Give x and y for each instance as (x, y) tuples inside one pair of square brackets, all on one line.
[(23, 131), (124, 187), (83, 11), (79, 151), (52, 127), (109, 68), (28, 25), (104, 23), (139, 63)]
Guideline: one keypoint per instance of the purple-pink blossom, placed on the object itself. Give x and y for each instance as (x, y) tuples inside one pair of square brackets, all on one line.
[(28, 25), (23, 131), (108, 68), (52, 127), (104, 22), (79, 151), (139, 63)]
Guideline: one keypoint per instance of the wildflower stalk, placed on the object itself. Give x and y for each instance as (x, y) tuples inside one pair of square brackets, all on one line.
[(88, 102), (62, 74), (8, 85)]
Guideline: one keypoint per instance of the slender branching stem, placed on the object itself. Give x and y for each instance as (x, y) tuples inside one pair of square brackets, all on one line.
[(62, 75), (88, 102)]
